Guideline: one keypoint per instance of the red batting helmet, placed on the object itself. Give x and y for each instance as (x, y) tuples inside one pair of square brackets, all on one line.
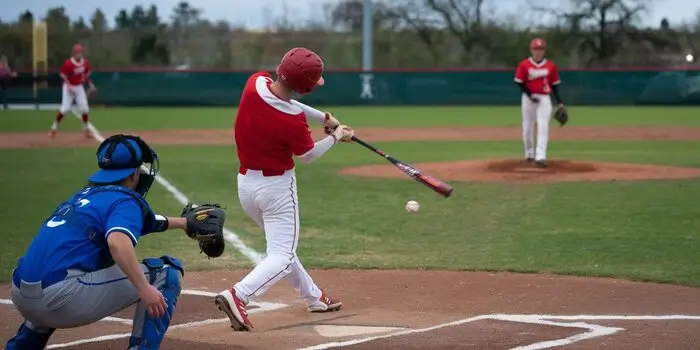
[(301, 70), (77, 48), (537, 43)]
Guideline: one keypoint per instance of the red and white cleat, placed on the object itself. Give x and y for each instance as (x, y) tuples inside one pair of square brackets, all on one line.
[(234, 308), (325, 304)]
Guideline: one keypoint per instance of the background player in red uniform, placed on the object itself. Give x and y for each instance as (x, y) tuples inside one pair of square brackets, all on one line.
[(270, 130), (75, 73), (537, 78)]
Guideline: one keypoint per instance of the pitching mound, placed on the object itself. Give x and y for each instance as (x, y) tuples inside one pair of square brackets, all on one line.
[(517, 170)]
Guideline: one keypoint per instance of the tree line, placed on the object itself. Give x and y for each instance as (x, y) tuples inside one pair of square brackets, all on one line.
[(407, 34)]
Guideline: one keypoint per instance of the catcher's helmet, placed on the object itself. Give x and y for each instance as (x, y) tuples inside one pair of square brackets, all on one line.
[(121, 155), (301, 70), (538, 43)]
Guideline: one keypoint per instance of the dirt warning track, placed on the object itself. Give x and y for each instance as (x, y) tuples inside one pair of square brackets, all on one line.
[(225, 137)]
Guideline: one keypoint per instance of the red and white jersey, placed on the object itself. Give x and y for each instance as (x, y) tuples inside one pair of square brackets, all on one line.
[(76, 72), (538, 77), (269, 131)]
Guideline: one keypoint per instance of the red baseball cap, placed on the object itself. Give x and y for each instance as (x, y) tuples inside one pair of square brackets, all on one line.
[(77, 48), (538, 43)]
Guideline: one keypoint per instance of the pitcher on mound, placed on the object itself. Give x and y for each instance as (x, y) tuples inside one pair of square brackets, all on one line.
[(537, 78), (270, 131)]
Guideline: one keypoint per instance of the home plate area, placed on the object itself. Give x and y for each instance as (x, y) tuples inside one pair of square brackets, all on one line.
[(419, 310)]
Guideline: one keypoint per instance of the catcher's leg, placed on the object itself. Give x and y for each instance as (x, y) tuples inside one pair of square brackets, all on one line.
[(85, 298), (166, 274), (528, 109), (544, 115), (29, 336)]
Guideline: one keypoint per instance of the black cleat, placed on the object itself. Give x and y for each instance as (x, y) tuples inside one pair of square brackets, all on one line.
[(541, 163), (530, 160)]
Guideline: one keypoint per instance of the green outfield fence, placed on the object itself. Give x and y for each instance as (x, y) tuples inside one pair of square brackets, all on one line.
[(434, 87)]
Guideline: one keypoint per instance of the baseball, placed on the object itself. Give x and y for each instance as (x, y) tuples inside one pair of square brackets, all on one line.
[(412, 206)]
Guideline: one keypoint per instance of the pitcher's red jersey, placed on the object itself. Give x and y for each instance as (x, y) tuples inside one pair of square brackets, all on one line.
[(76, 72), (538, 77), (269, 131)]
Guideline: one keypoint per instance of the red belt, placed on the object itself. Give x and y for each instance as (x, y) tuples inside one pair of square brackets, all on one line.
[(243, 170)]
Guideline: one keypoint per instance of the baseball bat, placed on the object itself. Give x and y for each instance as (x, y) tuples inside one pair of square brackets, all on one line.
[(429, 181)]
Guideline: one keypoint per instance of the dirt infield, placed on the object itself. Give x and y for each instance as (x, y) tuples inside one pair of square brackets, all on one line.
[(423, 310)]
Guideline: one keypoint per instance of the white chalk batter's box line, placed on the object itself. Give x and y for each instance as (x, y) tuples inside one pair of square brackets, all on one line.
[(592, 330), (260, 307)]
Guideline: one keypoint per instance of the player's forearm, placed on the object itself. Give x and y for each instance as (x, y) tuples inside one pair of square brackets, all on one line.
[(311, 113), (555, 93), (164, 223), (122, 250), (319, 149), (524, 89)]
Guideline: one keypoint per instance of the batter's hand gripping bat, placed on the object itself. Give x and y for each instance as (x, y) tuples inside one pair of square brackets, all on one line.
[(431, 182)]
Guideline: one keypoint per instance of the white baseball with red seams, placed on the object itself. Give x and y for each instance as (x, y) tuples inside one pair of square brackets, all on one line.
[(269, 132)]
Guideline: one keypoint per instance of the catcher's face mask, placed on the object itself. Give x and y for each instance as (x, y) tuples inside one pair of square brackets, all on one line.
[(120, 156)]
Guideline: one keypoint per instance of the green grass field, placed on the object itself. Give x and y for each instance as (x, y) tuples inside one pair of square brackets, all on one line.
[(638, 230)]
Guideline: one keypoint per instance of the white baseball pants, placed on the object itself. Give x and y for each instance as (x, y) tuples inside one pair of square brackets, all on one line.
[(540, 113), (272, 202), (74, 93)]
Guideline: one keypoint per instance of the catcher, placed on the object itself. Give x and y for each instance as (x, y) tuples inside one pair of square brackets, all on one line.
[(81, 266)]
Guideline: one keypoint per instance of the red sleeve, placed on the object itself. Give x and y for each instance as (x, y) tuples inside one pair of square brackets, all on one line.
[(88, 69), (299, 136), (66, 69), (554, 75), (521, 73)]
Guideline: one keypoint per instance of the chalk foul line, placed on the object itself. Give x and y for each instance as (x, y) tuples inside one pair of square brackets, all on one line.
[(262, 307), (230, 236), (592, 330)]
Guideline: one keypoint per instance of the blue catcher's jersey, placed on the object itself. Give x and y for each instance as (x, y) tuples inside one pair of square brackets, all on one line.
[(75, 235)]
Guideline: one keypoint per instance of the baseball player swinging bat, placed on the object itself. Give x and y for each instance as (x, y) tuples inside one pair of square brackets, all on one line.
[(431, 182)]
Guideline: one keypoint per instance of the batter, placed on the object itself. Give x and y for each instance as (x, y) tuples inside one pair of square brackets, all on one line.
[(270, 131)]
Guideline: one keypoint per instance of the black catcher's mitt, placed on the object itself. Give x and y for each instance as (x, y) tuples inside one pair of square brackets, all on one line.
[(205, 224), (561, 115)]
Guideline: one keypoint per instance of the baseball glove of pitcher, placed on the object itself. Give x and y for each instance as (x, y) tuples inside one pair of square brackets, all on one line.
[(91, 91), (561, 115), (205, 224)]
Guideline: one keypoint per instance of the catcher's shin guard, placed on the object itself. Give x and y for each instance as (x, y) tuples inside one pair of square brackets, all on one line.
[(168, 279), (28, 338)]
